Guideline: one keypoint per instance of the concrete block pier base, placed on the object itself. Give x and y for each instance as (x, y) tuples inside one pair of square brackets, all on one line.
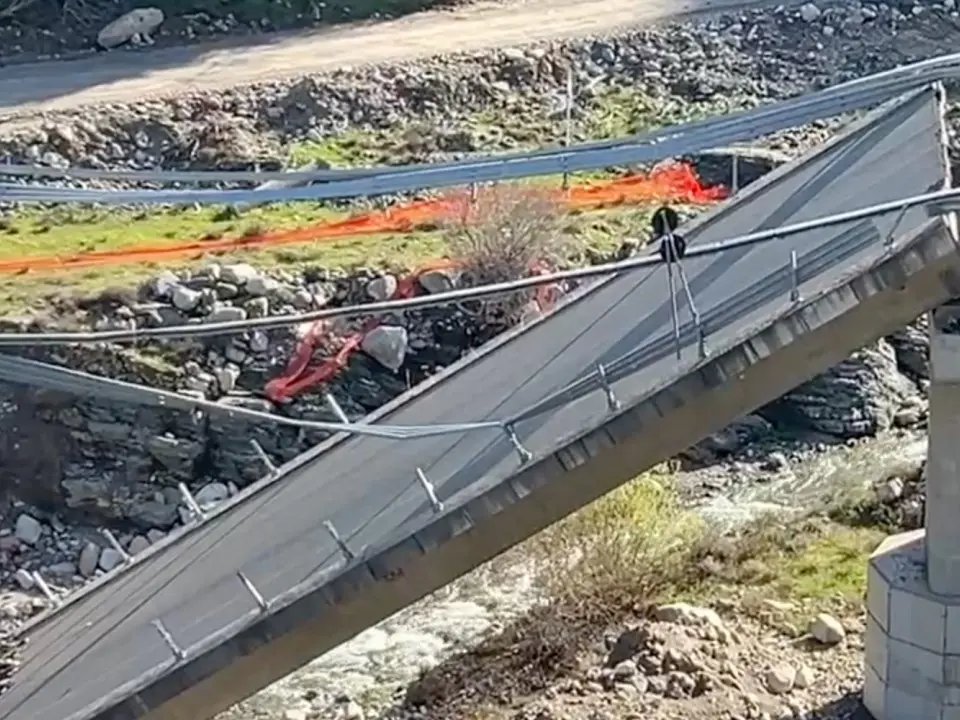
[(912, 647)]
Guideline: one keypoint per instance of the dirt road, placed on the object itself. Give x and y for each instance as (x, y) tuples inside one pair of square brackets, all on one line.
[(129, 76)]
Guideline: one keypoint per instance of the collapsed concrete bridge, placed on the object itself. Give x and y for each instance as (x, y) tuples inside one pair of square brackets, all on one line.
[(361, 526)]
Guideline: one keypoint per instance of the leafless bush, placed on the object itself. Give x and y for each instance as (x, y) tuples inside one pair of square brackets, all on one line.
[(12, 7), (505, 233), (84, 13)]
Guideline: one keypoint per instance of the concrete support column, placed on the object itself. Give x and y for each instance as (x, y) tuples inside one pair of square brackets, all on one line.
[(912, 645), (942, 519)]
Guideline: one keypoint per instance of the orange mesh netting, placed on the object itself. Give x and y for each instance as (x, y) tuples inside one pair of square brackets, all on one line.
[(673, 183), (670, 183)]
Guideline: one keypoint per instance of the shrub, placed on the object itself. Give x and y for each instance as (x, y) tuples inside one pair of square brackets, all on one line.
[(504, 233), (625, 549)]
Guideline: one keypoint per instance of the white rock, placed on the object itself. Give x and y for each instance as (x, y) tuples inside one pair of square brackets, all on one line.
[(685, 614), (155, 536), (827, 629), (382, 288), (139, 22), (303, 299), (184, 298), (780, 679), (63, 569), (24, 579), (28, 529), (211, 494), (138, 545), (109, 559), (805, 677), (164, 283), (777, 461), (809, 12), (352, 711), (227, 377), (889, 490), (296, 714), (387, 344), (199, 383), (436, 281), (259, 342), (239, 273), (227, 313), (260, 286), (89, 559)]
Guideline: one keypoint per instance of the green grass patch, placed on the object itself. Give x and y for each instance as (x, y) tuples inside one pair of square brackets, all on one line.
[(638, 545)]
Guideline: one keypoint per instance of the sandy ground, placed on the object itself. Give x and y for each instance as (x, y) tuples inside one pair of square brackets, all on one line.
[(128, 76)]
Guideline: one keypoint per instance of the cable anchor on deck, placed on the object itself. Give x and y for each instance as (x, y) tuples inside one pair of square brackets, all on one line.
[(44, 588), (252, 589), (891, 234), (115, 544), (263, 457), (192, 505), (430, 490), (673, 248), (794, 277), (347, 552), (612, 403), (168, 639), (525, 455), (335, 408)]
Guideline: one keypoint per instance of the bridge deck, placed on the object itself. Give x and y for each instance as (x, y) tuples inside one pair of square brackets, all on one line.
[(101, 657)]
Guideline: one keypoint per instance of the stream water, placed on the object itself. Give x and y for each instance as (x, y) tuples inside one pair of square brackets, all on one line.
[(814, 481)]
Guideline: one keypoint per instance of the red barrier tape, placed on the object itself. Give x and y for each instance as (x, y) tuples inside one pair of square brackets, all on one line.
[(298, 377)]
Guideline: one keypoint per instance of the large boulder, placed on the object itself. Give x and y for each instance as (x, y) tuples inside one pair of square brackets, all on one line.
[(140, 22)]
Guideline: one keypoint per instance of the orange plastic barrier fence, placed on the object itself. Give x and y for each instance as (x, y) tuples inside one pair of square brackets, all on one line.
[(673, 183), (670, 183), (298, 377)]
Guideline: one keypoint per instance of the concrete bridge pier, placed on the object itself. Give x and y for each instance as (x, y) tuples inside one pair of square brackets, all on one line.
[(912, 648)]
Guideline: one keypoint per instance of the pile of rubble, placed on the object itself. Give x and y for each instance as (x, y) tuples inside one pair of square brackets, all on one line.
[(15, 608), (9, 661), (682, 661)]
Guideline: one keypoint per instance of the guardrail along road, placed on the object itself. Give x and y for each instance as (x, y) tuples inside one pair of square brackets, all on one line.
[(178, 635)]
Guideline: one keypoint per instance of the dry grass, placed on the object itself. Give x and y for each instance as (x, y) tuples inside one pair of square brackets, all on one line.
[(507, 232)]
